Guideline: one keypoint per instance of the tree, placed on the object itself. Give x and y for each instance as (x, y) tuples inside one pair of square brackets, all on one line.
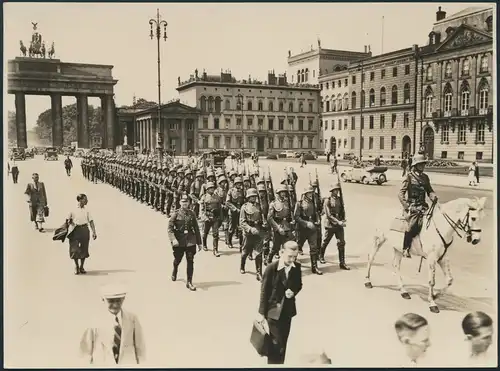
[(12, 132)]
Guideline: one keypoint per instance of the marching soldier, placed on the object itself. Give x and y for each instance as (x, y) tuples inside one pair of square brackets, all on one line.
[(211, 211), (234, 201), (412, 197), (281, 219), (179, 187), (251, 222), (184, 234), (169, 185), (307, 217), (319, 206), (163, 189), (221, 191), (195, 192), (264, 209), (334, 218)]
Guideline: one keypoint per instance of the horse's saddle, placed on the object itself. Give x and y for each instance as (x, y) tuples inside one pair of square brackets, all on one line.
[(399, 224)]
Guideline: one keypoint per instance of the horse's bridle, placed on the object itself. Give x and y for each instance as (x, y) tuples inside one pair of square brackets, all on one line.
[(459, 225)]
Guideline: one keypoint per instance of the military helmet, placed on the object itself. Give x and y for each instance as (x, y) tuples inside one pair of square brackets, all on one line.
[(261, 180), (418, 159), (172, 170), (219, 172), (210, 185), (281, 188), (246, 178), (232, 173), (238, 180), (307, 190), (184, 198), (188, 172), (315, 183), (251, 192), (335, 186), (210, 174), (199, 173), (221, 179), (261, 187)]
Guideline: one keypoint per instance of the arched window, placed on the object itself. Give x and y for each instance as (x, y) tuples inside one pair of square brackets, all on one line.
[(428, 73), (227, 105), (406, 93), (346, 101), (218, 104), (281, 107), (339, 102), (372, 98), (303, 76), (301, 107), (464, 97), (210, 104), (363, 97), (353, 100), (448, 71), (382, 96), (394, 95), (484, 63), (466, 67), (271, 106), (249, 105), (310, 107), (307, 74), (429, 102), (327, 105), (483, 95), (334, 105), (203, 104), (260, 105), (290, 107), (298, 76), (448, 97)]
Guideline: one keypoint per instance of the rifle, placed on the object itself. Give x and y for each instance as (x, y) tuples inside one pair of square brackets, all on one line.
[(289, 196), (271, 184), (315, 205), (342, 213)]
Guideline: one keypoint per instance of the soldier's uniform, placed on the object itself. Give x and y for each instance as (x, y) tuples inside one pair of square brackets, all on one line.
[(211, 216), (307, 217), (334, 219), (251, 222), (234, 201), (195, 191), (412, 197), (163, 189), (184, 234), (281, 219), (319, 206), (222, 191), (169, 185), (263, 205)]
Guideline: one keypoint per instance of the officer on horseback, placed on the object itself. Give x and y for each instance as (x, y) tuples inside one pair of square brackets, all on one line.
[(412, 196)]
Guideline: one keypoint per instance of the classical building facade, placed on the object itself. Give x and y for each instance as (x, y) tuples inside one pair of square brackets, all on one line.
[(455, 101), (269, 116)]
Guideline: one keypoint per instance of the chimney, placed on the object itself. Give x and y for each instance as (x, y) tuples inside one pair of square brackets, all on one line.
[(366, 48), (440, 15)]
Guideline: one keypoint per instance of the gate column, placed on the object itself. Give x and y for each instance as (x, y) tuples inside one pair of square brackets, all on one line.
[(22, 140), (57, 121), (83, 121)]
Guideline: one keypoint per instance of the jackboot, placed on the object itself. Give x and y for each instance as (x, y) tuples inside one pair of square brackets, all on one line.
[(242, 264), (258, 267), (314, 265), (216, 248), (174, 272), (190, 286), (407, 240), (322, 251), (342, 264)]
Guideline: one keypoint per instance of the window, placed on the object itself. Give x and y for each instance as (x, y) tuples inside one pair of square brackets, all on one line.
[(372, 76), (448, 95), (281, 107), (461, 155), (203, 104), (216, 126), (371, 122), (362, 123), (363, 98), (483, 98), (464, 100), (345, 143), (311, 107), (249, 105), (382, 74), (281, 124), (327, 107), (362, 143), (271, 123), (239, 142), (394, 72), (281, 142), (217, 142), (310, 125), (382, 121), (428, 75), (249, 122), (354, 79), (260, 122), (407, 69), (479, 155), (333, 124), (333, 84), (406, 120), (353, 100), (290, 122), (394, 95), (271, 106), (190, 126), (381, 142), (382, 96), (205, 123), (362, 77), (238, 123), (448, 70), (353, 123), (301, 125), (227, 105), (372, 98), (228, 122), (345, 124), (218, 104), (271, 143), (228, 142), (260, 105), (393, 142), (210, 104), (346, 102), (353, 143), (444, 154), (301, 107), (479, 133), (393, 121), (290, 107), (204, 141), (370, 143), (310, 142), (429, 99), (462, 133), (445, 134), (406, 93), (333, 105), (339, 102), (466, 67), (484, 63), (250, 142)]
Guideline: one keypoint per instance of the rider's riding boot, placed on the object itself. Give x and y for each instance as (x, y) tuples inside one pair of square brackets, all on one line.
[(314, 265), (407, 245), (342, 264)]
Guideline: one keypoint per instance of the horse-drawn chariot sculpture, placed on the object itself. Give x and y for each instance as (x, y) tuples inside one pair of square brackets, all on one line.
[(36, 47)]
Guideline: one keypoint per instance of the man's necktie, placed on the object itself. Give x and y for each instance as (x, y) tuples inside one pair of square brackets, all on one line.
[(117, 339)]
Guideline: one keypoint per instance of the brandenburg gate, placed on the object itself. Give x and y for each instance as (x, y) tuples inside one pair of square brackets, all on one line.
[(36, 75)]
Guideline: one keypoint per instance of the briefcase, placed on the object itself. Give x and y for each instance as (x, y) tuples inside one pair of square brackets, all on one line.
[(260, 339), (46, 211)]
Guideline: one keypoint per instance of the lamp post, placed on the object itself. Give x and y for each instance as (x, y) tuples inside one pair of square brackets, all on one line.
[(240, 102), (157, 24), (362, 104)]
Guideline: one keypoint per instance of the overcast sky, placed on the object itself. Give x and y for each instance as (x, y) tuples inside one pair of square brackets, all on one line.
[(246, 38)]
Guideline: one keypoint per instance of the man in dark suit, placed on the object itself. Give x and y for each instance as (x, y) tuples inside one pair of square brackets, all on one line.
[(281, 283)]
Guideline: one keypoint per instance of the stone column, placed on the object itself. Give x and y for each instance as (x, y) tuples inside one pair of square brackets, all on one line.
[(130, 133), (57, 120), (147, 123), (183, 138), (154, 128), (22, 140), (83, 121), (104, 130), (110, 122)]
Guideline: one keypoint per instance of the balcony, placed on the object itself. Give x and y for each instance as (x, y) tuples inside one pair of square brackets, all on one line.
[(464, 112), (447, 114), (483, 111)]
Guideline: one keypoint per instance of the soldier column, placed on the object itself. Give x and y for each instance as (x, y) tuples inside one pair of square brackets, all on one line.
[(57, 121), (22, 140)]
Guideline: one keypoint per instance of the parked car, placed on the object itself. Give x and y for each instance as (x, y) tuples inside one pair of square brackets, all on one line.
[(30, 153), (51, 154), (79, 152), (349, 156), (365, 175), (18, 154), (288, 154)]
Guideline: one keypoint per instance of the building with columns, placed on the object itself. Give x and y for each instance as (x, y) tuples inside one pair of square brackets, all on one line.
[(455, 95), (267, 117)]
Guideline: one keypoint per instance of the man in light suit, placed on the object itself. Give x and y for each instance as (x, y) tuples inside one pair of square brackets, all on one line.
[(117, 337), (281, 283), (37, 200)]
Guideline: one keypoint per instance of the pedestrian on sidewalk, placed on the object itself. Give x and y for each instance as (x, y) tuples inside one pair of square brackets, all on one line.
[(68, 165), (14, 170), (477, 172), (302, 159), (37, 200), (413, 334), (281, 283), (79, 220), (472, 174), (334, 165), (116, 337)]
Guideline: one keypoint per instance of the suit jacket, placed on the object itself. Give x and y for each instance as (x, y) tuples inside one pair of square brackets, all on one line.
[(272, 293), (63, 232), (37, 195), (96, 346)]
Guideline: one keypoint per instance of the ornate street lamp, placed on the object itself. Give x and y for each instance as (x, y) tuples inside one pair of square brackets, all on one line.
[(157, 24), (240, 104)]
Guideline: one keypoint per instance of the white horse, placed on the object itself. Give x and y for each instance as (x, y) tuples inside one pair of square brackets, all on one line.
[(461, 216)]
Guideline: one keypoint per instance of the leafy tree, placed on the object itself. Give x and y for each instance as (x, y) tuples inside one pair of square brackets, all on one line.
[(12, 133)]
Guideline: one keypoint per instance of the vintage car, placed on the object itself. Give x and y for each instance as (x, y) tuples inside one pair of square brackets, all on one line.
[(216, 157), (365, 175), (30, 153), (18, 154), (51, 154)]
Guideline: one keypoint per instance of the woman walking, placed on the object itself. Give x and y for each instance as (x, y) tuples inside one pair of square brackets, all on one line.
[(79, 220), (472, 174)]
